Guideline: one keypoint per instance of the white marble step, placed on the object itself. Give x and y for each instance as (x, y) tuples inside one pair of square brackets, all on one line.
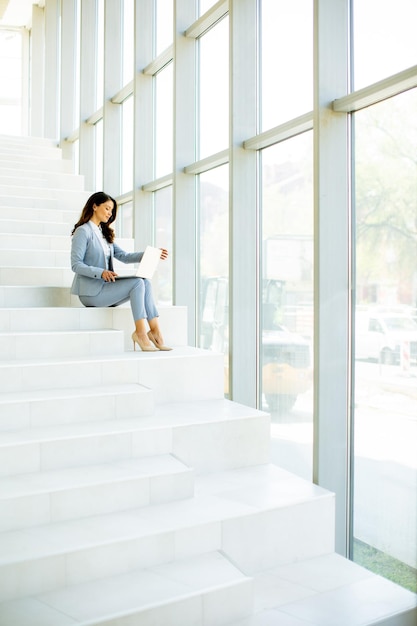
[(36, 296), (74, 493), (205, 590), (41, 151), (55, 214), (184, 373), (28, 163), (26, 140), (328, 591), (29, 178), (60, 344), (54, 199), (21, 241), (36, 276), (173, 319), (34, 227), (94, 428), (66, 198), (257, 517), (25, 241), (35, 258), (55, 407)]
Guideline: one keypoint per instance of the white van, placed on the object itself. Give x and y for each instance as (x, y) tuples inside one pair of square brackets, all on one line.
[(382, 336)]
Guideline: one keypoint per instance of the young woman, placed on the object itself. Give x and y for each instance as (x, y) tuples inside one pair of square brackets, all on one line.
[(92, 252)]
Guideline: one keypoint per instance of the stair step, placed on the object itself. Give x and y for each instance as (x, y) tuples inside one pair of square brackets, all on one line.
[(24, 141), (37, 276), (35, 258), (37, 297), (34, 227), (14, 242), (128, 427), (60, 344), (326, 591), (184, 374), (22, 215), (74, 493), (55, 407), (258, 499), (34, 151), (189, 592), (29, 178), (53, 198)]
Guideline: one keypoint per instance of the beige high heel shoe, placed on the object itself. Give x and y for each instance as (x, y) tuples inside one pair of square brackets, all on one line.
[(155, 342), (141, 345)]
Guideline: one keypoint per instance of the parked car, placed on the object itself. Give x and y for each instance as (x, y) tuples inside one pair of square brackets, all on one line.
[(382, 336)]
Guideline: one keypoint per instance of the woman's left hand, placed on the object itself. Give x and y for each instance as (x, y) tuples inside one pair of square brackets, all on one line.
[(164, 253)]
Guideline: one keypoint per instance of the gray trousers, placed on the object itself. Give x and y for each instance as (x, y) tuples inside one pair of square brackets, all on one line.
[(137, 290)]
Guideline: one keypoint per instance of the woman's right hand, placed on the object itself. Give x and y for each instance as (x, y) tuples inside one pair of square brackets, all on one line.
[(108, 276)]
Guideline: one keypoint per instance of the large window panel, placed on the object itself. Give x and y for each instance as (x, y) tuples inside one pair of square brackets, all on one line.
[(10, 82), (384, 39), (214, 262), (128, 43), (164, 120), (286, 303), (286, 60), (214, 90), (164, 239), (385, 372), (164, 24)]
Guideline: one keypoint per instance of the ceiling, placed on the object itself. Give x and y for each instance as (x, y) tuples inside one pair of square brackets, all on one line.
[(17, 13)]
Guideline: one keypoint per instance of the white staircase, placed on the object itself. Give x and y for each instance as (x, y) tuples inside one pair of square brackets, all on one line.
[(131, 492)]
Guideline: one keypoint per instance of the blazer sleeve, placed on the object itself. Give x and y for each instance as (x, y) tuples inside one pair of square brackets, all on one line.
[(126, 257), (80, 241)]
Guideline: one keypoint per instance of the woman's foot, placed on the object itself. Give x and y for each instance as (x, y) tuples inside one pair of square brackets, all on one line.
[(157, 341), (143, 343)]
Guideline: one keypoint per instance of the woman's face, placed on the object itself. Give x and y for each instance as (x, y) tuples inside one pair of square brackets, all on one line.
[(102, 212)]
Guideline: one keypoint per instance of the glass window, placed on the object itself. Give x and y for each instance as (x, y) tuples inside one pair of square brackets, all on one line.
[(286, 307), (127, 41), (205, 5), (286, 60), (214, 262), (10, 82), (214, 89), (164, 120), (127, 145), (163, 239), (385, 369), (164, 24), (384, 38), (124, 222)]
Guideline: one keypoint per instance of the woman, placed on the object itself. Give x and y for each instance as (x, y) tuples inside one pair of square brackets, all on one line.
[(92, 253)]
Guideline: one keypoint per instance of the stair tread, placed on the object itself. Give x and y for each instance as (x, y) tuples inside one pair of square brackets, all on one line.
[(125, 594), (176, 414), (179, 352), (220, 496), (75, 477), (65, 393)]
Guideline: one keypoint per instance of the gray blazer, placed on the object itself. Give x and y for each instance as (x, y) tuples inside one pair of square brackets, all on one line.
[(88, 261)]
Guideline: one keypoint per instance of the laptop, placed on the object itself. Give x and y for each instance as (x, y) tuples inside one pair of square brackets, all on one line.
[(147, 265)]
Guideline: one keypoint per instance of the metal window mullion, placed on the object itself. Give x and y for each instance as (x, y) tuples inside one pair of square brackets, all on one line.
[(184, 185), (112, 84), (68, 73), (51, 105), (37, 78), (88, 56), (143, 145), (243, 248), (331, 448), (209, 19)]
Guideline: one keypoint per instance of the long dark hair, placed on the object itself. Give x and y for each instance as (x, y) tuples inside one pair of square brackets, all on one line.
[(96, 199)]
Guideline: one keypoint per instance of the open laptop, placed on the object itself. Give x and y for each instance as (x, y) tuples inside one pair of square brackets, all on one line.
[(147, 265)]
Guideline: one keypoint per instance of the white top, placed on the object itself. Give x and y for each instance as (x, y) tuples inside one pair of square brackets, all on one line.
[(105, 244)]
